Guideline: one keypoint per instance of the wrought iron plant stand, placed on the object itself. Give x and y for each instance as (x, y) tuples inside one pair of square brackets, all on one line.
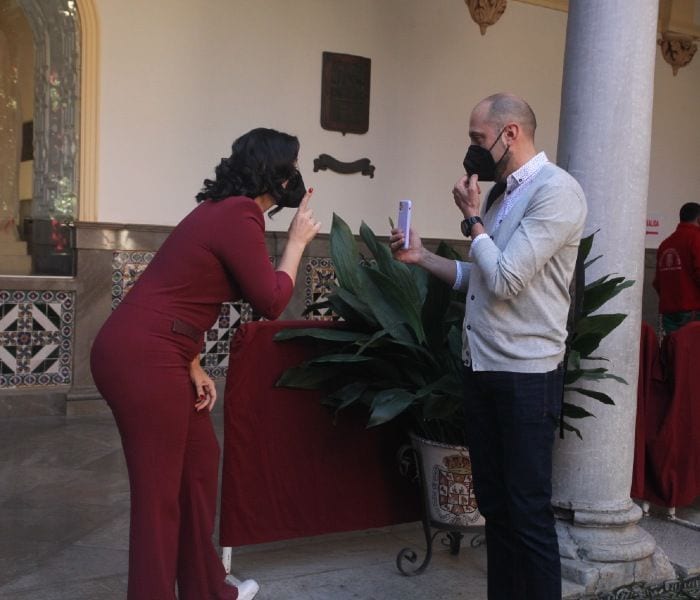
[(447, 497)]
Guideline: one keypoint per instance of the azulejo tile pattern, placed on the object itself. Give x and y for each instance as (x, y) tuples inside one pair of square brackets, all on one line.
[(36, 337), (319, 280), (126, 268), (217, 339)]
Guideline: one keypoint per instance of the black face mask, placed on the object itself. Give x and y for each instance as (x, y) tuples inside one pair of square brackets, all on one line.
[(292, 195), (479, 161)]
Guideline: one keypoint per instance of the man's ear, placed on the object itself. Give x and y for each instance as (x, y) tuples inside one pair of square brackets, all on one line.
[(511, 132)]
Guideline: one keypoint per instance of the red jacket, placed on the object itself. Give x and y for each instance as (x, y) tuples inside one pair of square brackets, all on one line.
[(677, 278)]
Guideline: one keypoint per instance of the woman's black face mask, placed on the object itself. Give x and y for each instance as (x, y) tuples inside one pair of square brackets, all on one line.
[(479, 161), (294, 193)]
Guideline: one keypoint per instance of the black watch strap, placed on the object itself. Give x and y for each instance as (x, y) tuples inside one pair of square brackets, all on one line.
[(467, 225)]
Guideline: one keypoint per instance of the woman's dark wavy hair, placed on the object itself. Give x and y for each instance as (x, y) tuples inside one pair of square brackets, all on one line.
[(261, 160)]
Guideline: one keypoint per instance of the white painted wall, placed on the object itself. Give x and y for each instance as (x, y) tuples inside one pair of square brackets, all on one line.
[(180, 80), (675, 144)]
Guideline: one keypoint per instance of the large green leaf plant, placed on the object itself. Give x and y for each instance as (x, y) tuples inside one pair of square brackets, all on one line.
[(587, 331), (397, 352)]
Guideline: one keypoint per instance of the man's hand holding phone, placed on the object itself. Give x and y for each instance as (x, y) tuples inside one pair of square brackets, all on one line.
[(405, 243), (404, 221)]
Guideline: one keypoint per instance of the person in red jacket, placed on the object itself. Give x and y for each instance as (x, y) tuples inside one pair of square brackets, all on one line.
[(145, 361), (677, 279)]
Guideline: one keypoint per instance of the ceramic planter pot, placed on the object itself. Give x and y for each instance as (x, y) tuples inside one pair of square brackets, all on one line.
[(446, 476)]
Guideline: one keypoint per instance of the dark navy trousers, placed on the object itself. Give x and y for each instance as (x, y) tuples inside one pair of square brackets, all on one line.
[(511, 420)]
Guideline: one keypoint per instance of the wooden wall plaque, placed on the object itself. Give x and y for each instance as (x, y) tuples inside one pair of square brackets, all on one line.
[(345, 93)]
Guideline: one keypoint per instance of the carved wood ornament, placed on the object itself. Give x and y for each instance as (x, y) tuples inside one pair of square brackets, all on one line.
[(486, 12), (326, 161), (677, 50)]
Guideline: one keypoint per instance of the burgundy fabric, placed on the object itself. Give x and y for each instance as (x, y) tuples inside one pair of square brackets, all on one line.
[(667, 452), (650, 395), (216, 253), (288, 470), (140, 367), (140, 362)]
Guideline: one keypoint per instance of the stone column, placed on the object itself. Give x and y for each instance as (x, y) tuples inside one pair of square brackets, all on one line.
[(604, 142)]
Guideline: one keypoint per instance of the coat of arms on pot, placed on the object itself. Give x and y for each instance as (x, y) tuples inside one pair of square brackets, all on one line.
[(455, 500)]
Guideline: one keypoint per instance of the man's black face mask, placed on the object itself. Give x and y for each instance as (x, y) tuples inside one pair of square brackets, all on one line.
[(479, 161), (294, 193)]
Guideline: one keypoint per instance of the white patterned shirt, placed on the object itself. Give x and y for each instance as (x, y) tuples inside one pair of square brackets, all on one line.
[(518, 181)]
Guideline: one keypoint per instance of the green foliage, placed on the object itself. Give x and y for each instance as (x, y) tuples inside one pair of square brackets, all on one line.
[(398, 353), (587, 332)]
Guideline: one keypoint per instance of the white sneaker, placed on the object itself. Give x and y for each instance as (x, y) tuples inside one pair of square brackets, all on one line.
[(247, 589)]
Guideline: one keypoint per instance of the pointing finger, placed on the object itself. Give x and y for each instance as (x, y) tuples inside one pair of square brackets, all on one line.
[(305, 200)]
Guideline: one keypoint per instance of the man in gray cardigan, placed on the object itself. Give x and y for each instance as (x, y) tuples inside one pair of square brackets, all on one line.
[(523, 253)]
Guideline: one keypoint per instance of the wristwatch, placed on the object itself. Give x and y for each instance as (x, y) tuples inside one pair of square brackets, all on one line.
[(467, 225)]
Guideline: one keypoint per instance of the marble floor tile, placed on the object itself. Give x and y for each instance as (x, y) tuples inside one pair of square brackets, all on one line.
[(19, 480), (681, 544), (100, 588), (64, 530), (61, 524), (45, 448), (19, 557), (69, 566), (113, 534)]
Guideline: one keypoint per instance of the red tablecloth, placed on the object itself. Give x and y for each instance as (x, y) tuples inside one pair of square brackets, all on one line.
[(667, 450), (288, 471)]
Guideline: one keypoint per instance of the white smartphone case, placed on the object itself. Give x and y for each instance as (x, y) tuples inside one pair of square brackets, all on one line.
[(404, 220)]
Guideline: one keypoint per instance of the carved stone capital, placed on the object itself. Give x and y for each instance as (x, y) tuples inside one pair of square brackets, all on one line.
[(486, 12), (678, 50)]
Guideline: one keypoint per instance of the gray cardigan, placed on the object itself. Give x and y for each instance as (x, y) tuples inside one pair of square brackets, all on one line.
[(518, 281)]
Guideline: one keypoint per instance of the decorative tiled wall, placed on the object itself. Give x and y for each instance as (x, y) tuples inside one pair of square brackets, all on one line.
[(218, 338), (319, 278), (126, 268), (47, 326), (36, 336)]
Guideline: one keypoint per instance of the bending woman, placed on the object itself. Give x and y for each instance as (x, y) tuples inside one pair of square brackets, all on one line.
[(145, 361)]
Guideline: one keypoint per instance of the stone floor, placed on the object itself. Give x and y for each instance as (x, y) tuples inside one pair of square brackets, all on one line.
[(64, 503)]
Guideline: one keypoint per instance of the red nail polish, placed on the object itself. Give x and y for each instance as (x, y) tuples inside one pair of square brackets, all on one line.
[(311, 190)]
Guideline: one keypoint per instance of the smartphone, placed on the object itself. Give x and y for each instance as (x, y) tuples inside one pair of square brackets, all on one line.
[(404, 220)]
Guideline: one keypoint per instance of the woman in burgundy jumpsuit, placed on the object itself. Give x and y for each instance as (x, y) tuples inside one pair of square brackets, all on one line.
[(145, 361)]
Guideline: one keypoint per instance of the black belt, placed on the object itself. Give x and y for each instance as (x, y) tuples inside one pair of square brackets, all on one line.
[(186, 329)]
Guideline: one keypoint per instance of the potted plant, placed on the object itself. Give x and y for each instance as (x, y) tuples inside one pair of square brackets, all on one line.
[(398, 355), (398, 350)]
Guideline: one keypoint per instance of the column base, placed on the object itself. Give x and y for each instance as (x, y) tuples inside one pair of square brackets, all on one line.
[(602, 559)]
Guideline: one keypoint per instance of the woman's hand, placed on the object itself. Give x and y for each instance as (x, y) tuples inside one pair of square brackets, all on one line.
[(414, 254), (304, 227), (467, 195), (302, 230), (203, 385)]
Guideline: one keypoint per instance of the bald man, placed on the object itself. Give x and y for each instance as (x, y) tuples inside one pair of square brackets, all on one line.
[(523, 253)]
